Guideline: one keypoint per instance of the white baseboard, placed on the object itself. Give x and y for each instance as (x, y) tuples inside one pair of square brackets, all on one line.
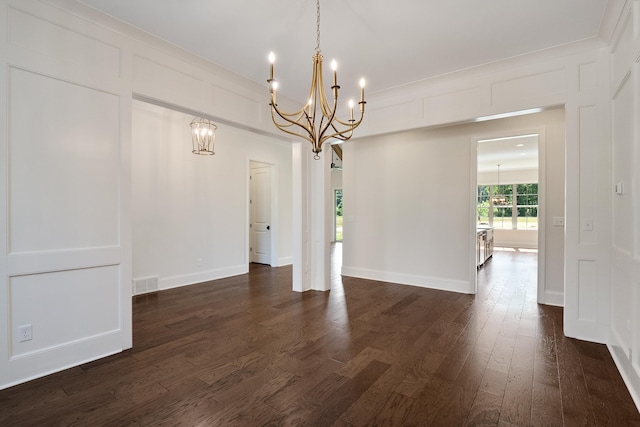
[(553, 298), (201, 276), (284, 261), (506, 244), (459, 286), (628, 372)]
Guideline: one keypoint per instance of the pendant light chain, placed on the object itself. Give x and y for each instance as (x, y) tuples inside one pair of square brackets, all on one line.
[(317, 26)]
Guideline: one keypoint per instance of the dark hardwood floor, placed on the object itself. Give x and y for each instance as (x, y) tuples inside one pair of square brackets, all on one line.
[(248, 351)]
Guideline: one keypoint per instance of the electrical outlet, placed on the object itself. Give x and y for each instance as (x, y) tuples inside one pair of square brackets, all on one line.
[(199, 262), (24, 333)]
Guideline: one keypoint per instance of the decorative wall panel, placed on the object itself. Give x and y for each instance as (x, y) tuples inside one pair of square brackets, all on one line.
[(587, 120), (91, 293), (465, 104), (622, 49), (533, 87), (394, 115), (64, 165), (36, 35), (587, 290), (622, 108), (587, 77), (236, 107), (160, 81)]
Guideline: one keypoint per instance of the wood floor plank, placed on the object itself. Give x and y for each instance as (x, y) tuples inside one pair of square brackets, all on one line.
[(361, 412), (516, 404), (485, 410), (248, 351)]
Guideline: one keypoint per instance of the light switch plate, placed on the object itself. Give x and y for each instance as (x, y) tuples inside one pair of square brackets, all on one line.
[(558, 221)]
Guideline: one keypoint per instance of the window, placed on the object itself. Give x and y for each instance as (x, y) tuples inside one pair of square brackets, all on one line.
[(511, 207), (527, 206), (502, 206), (483, 205)]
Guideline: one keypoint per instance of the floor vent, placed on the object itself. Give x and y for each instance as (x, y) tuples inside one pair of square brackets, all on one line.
[(145, 285)]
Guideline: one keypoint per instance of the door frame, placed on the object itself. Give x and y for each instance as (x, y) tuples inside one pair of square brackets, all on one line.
[(274, 212), (542, 185)]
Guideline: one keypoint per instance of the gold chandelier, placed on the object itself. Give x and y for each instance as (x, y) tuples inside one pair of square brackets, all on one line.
[(316, 121)]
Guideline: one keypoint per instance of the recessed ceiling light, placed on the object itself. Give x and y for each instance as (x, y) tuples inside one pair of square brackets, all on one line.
[(520, 145)]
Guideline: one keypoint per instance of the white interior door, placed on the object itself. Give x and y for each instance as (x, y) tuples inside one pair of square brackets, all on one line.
[(260, 214)]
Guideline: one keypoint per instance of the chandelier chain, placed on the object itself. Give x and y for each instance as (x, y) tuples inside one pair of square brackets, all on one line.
[(317, 26)]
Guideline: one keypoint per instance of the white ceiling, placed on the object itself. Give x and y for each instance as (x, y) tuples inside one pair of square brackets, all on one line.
[(513, 153), (389, 43)]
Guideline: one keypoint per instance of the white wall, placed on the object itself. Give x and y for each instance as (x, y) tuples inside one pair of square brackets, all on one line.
[(408, 203), (67, 79), (64, 195), (199, 201), (392, 228), (624, 341), (519, 176), (575, 76), (336, 179)]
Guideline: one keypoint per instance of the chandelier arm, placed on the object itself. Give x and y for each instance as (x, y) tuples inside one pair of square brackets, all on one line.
[(299, 135), (286, 122), (289, 122), (324, 103), (351, 123), (348, 126), (327, 111), (318, 88), (330, 117), (345, 130), (343, 135), (317, 71), (340, 134), (291, 118), (298, 114)]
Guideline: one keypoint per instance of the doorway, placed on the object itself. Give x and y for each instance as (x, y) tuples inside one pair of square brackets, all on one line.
[(337, 217), (509, 204), (260, 213)]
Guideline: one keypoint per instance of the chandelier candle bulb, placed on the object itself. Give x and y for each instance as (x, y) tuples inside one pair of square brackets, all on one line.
[(351, 104), (272, 59), (334, 67)]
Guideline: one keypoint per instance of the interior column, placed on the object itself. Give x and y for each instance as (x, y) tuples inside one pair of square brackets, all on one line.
[(311, 219)]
